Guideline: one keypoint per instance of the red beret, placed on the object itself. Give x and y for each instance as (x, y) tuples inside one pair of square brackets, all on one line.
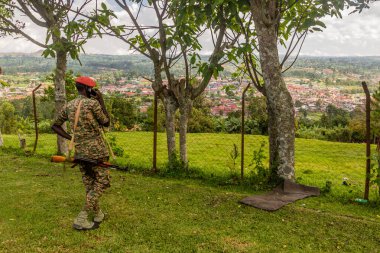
[(85, 80)]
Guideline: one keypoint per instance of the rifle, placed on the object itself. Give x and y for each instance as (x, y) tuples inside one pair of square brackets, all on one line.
[(82, 160)]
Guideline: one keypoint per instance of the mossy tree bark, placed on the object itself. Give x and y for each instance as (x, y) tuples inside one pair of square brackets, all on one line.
[(279, 102), (60, 95)]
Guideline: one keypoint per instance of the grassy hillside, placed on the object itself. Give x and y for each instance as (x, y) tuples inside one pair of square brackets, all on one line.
[(150, 214)]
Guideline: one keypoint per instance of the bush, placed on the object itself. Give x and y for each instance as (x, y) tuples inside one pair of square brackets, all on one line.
[(310, 133), (341, 134), (45, 126), (232, 163), (259, 173)]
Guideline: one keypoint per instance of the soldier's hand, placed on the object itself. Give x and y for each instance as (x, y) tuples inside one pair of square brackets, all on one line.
[(98, 94)]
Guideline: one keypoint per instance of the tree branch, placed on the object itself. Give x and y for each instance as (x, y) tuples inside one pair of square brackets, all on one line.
[(17, 30)]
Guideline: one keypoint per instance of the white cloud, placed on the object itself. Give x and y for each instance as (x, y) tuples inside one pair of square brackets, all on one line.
[(355, 34)]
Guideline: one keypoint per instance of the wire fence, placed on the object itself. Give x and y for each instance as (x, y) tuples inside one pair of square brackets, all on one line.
[(218, 155)]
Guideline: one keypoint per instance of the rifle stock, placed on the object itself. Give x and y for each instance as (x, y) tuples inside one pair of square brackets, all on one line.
[(81, 160)]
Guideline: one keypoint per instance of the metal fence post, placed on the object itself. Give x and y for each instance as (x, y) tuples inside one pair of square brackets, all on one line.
[(155, 133), (368, 138), (243, 131), (35, 116)]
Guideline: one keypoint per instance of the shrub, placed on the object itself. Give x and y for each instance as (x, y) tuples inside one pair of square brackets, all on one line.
[(259, 173), (45, 126)]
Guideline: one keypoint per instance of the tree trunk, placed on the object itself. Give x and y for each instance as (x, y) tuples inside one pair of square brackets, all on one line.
[(1, 138), (184, 110), (280, 104), (170, 109), (60, 95)]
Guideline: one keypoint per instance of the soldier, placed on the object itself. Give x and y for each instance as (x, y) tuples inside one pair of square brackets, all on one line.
[(86, 123)]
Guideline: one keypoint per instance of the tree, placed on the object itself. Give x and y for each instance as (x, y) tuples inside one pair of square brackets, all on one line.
[(123, 112), (70, 88), (357, 125), (274, 22), (174, 38), (7, 118), (334, 117), (201, 120), (258, 115), (6, 12), (375, 112), (298, 104), (147, 119), (65, 32)]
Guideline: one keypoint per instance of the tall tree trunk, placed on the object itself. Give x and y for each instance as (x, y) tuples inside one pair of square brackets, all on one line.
[(1, 136), (184, 110), (170, 109), (279, 102), (60, 95)]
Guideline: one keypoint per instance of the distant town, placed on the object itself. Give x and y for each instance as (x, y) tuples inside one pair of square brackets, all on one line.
[(306, 95), (313, 82)]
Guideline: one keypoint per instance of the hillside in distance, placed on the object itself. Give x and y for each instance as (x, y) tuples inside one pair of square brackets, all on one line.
[(138, 65), (89, 64)]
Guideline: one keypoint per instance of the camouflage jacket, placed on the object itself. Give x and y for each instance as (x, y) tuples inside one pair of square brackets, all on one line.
[(89, 142)]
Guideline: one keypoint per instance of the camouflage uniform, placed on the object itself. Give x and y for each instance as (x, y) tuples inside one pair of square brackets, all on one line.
[(89, 144)]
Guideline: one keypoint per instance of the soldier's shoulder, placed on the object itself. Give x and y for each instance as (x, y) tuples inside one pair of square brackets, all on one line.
[(92, 101), (71, 103)]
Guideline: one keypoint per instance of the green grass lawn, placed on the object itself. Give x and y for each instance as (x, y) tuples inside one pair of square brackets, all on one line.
[(161, 214)]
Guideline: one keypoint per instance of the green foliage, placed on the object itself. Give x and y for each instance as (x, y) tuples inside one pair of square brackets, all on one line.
[(6, 13), (201, 120), (44, 126), (7, 118), (123, 112), (233, 155), (3, 83), (327, 188), (117, 150), (259, 173), (175, 164), (375, 112), (71, 91), (341, 134), (257, 121), (230, 90), (146, 119), (303, 121), (293, 21), (191, 18), (69, 35), (334, 117), (24, 125), (233, 123), (375, 170)]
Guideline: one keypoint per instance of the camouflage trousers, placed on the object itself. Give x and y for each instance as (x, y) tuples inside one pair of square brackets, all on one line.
[(96, 180)]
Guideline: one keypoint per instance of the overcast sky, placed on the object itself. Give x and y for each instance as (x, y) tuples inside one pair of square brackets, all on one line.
[(354, 35)]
